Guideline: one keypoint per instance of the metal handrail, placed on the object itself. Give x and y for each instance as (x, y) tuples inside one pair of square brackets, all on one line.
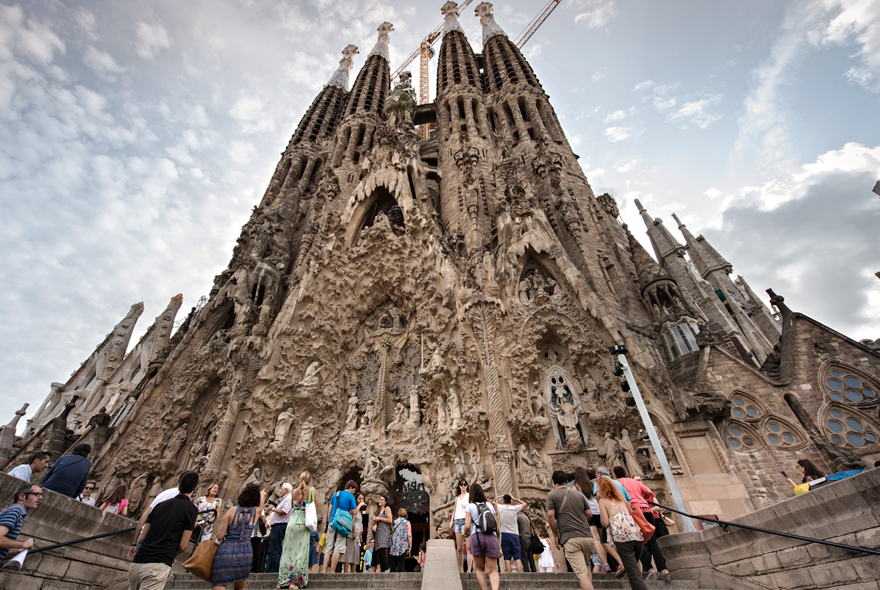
[(83, 540), (724, 524)]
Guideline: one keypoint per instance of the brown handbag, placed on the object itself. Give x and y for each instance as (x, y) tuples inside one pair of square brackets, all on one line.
[(646, 527), (202, 560)]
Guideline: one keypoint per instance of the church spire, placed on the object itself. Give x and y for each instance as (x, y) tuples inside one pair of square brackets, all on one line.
[(487, 18), (457, 63), (381, 47), (662, 240), (450, 16), (340, 77), (705, 258)]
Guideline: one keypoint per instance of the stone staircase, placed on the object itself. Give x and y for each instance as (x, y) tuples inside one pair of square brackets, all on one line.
[(411, 581)]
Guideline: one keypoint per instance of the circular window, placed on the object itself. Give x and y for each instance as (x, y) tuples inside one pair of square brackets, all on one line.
[(747, 441), (837, 397), (738, 413), (856, 389), (774, 440), (868, 392), (835, 384), (837, 440), (836, 414), (836, 373), (739, 401), (855, 424), (853, 396), (737, 438), (788, 438), (835, 426), (774, 428), (852, 382), (736, 432), (734, 443), (870, 437), (752, 411), (855, 439)]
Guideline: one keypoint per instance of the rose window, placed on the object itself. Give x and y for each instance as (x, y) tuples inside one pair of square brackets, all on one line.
[(848, 387), (849, 430), (743, 408), (740, 439)]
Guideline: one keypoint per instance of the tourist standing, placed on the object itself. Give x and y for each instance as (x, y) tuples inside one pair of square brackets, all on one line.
[(162, 497), (27, 499), (568, 516), (527, 554), (401, 541), (483, 543), (382, 535), (546, 561), (69, 474), (260, 543), (36, 464), (165, 535), (616, 516), (511, 548), (583, 484), (337, 540), (294, 569), (86, 496), (368, 556), (808, 470), (457, 524), (352, 555), (116, 503), (234, 557), (280, 518), (206, 504), (639, 496)]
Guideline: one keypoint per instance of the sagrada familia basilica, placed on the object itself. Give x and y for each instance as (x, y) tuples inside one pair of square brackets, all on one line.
[(446, 305)]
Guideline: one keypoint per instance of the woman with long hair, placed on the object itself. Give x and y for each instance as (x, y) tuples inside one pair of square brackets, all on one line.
[(616, 515), (234, 557), (484, 546), (382, 535), (116, 503), (401, 541), (457, 523), (294, 569), (808, 470), (352, 555), (639, 496), (583, 484), (205, 504)]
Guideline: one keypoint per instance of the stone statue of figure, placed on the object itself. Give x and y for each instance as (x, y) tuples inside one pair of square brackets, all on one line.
[(565, 412), (305, 434), (367, 419), (136, 492), (525, 290), (351, 417), (311, 378), (178, 437), (633, 469), (477, 468), (454, 406), (537, 401), (553, 286), (442, 419), (282, 427), (414, 409), (668, 451), (400, 417), (255, 477), (611, 451), (528, 473)]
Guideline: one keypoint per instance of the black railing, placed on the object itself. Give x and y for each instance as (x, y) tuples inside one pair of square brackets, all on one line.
[(83, 540), (724, 524)]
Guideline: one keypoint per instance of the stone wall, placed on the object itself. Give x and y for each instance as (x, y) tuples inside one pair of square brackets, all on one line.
[(843, 512), (94, 564)]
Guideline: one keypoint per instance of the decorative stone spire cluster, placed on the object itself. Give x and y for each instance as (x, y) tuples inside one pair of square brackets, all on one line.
[(487, 19), (381, 47), (340, 77), (450, 15)]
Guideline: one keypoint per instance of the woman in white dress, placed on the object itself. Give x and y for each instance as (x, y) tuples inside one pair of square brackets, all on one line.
[(204, 503)]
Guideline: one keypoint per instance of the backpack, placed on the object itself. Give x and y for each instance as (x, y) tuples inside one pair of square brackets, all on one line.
[(342, 521), (485, 519)]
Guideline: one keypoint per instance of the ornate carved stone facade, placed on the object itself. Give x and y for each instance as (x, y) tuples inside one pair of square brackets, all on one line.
[(448, 305)]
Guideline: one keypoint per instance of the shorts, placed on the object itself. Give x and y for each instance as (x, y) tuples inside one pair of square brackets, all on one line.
[(458, 525), (335, 542), (596, 521), (577, 553), (510, 547), (483, 545)]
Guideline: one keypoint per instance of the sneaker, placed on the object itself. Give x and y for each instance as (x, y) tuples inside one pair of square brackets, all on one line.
[(620, 571), (606, 569)]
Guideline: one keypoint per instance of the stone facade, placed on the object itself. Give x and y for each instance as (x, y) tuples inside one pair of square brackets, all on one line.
[(447, 306)]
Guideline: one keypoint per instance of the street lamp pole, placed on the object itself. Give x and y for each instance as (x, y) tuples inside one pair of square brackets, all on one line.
[(655, 441)]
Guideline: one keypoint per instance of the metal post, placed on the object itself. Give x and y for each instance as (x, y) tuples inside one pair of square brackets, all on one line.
[(655, 442)]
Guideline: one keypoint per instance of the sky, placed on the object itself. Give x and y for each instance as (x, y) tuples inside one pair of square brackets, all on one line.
[(136, 137)]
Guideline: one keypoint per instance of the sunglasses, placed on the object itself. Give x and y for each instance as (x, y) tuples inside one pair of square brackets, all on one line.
[(37, 494)]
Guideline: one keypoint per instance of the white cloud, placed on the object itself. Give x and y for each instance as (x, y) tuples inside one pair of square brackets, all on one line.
[(853, 157), (858, 20), (102, 63), (697, 112), (593, 174), (598, 76), (27, 37), (151, 39), (615, 116), (659, 94), (599, 13), (250, 113), (615, 134), (712, 193), (241, 152), (626, 167)]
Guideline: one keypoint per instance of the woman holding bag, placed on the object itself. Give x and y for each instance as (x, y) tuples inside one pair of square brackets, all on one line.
[(616, 516), (639, 495), (294, 569), (232, 563)]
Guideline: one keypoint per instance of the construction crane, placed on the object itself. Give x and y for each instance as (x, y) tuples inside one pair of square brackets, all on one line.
[(537, 22)]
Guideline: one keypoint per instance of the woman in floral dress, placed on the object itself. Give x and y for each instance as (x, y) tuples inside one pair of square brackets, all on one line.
[(232, 563), (294, 569)]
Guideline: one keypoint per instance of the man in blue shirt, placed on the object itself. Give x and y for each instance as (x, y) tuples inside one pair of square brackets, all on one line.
[(603, 472), (334, 546), (69, 474), (27, 498)]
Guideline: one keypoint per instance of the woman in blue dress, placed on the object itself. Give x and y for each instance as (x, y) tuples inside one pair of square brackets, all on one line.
[(234, 557)]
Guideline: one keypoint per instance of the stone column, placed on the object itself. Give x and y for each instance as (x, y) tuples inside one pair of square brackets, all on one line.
[(483, 317), (378, 418)]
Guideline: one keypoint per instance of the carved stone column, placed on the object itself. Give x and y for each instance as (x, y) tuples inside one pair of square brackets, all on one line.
[(378, 421), (483, 318)]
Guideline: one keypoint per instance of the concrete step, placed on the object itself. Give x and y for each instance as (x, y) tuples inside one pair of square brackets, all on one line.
[(413, 581)]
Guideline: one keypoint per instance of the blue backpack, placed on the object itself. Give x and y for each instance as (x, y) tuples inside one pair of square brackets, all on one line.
[(342, 521)]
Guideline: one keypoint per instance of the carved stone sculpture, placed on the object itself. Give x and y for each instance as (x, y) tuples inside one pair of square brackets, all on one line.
[(633, 468), (610, 451), (282, 427), (178, 437)]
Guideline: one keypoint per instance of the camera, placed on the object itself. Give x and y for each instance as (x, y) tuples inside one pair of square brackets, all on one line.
[(617, 369), (619, 349)]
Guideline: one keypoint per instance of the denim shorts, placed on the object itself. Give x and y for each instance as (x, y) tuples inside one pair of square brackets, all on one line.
[(458, 525)]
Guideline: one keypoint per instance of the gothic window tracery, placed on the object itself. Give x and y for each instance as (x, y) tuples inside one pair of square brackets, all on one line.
[(741, 437), (368, 377), (407, 373), (564, 404), (779, 433), (844, 385), (745, 407), (847, 427)]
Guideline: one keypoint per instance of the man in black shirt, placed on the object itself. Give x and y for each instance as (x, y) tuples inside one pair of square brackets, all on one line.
[(165, 535)]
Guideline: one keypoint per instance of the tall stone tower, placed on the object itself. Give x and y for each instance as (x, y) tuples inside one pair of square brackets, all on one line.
[(444, 306)]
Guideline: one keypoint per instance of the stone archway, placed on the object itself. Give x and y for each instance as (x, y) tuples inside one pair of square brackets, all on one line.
[(408, 491)]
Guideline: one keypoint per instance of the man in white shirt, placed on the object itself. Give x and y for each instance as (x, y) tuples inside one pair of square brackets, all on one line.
[(280, 517), (37, 463), (510, 546), (165, 495), (86, 496)]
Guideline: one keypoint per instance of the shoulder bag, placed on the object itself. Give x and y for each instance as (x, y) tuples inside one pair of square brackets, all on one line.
[(342, 521), (312, 512), (537, 546), (646, 527)]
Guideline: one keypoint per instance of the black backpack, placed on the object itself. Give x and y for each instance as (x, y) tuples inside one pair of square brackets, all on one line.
[(485, 519)]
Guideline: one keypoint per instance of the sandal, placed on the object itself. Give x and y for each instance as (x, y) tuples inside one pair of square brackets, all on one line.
[(620, 571), (665, 576)]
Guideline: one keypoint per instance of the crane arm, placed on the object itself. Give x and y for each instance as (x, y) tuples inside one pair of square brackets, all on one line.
[(430, 40), (537, 22)]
